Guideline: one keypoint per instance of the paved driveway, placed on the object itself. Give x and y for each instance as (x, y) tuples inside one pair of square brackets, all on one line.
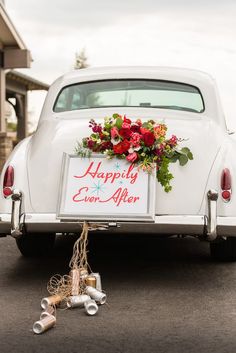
[(164, 295)]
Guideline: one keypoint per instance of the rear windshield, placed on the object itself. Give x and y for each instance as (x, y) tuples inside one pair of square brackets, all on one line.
[(130, 93)]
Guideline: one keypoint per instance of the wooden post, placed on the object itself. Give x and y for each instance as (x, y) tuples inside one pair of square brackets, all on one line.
[(2, 101), (22, 116)]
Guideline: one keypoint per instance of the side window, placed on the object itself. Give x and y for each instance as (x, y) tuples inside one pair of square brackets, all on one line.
[(69, 99), (61, 102)]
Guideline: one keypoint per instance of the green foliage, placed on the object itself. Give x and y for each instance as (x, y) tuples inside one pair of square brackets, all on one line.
[(11, 126), (142, 143), (119, 123), (82, 151), (163, 174)]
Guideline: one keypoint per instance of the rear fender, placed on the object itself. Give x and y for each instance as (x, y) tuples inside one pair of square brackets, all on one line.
[(17, 159), (225, 159)]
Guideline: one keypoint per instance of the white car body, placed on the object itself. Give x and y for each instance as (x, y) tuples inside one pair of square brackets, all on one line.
[(187, 209)]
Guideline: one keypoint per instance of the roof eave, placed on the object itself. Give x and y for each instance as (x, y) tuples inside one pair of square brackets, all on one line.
[(19, 43)]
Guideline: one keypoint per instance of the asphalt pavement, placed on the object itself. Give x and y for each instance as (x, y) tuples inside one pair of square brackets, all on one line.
[(164, 295)]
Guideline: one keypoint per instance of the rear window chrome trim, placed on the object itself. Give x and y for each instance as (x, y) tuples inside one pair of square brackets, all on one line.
[(127, 79)]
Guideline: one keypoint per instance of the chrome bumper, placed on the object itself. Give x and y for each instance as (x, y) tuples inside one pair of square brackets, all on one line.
[(166, 225), (208, 227)]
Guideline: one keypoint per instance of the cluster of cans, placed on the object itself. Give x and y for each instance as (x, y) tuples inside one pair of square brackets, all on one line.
[(92, 297)]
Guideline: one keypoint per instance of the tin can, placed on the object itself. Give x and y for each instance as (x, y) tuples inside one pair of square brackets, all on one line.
[(83, 273), (77, 300), (91, 281), (98, 281), (44, 324), (95, 294), (75, 279), (44, 314), (52, 300), (91, 307)]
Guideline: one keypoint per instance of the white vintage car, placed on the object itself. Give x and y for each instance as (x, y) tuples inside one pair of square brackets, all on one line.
[(201, 202)]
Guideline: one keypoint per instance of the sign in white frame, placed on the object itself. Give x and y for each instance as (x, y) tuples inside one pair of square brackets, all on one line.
[(100, 189)]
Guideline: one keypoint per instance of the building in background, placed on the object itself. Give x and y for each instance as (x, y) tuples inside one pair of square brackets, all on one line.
[(13, 85)]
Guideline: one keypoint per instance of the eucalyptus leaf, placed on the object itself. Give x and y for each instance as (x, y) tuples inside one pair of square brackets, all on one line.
[(174, 159), (190, 155), (185, 150), (183, 159)]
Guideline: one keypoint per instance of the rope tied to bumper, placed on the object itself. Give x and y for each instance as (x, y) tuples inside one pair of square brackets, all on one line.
[(73, 283)]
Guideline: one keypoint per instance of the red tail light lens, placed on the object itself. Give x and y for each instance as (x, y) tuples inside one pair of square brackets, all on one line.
[(226, 195), (226, 179), (8, 181), (226, 185)]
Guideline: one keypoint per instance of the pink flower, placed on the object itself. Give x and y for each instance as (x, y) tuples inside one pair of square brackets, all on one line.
[(173, 141), (135, 139), (132, 157), (114, 132), (125, 125), (159, 151)]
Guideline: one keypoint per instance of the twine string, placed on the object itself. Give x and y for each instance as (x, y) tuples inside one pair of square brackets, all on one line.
[(62, 285)]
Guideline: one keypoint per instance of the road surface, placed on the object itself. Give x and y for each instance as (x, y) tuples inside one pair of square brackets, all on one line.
[(164, 295)]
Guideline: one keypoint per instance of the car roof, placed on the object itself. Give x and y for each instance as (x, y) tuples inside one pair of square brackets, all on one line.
[(189, 76)]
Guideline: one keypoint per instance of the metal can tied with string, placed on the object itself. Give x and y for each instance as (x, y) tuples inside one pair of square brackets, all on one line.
[(75, 281)]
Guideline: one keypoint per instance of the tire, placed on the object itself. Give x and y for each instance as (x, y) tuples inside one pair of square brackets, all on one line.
[(224, 250), (35, 244)]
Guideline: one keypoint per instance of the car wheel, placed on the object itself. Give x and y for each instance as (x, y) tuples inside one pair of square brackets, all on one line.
[(35, 244), (224, 250)]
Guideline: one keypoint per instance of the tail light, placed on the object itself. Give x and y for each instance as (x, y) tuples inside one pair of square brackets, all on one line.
[(226, 185), (8, 181)]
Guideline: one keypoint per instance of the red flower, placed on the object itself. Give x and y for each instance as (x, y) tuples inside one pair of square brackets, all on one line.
[(125, 126), (143, 130), (135, 128), (126, 120), (90, 144), (105, 145), (125, 132), (148, 138), (121, 147), (173, 141)]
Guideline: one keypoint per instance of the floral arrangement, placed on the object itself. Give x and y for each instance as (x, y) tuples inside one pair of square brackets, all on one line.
[(142, 143)]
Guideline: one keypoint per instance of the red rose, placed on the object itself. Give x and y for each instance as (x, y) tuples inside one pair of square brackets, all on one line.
[(125, 133), (148, 138), (143, 130), (121, 147)]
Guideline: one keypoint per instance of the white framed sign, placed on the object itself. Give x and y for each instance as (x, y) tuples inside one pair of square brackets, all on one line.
[(100, 189)]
